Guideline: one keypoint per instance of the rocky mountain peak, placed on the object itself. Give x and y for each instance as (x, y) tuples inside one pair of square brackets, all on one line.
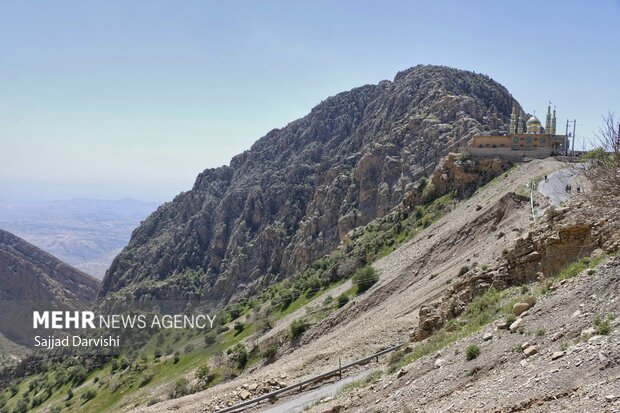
[(298, 190)]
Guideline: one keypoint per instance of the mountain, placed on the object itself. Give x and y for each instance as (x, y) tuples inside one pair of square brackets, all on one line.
[(30, 276), (296, 193), (85, 233)]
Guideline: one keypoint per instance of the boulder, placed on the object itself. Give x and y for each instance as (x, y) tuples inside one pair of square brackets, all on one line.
[(588, 332), (516, 325), (557, 336), (519, 308), (503, 325), (530, 351)]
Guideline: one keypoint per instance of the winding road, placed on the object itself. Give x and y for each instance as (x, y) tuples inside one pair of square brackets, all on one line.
[(302, 401), (555, 186)]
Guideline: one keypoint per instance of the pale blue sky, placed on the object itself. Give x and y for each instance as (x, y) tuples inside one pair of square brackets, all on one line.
[(134, 98)]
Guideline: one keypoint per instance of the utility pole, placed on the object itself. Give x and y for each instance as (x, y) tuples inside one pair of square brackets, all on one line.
[(574, 126), (566, 139)]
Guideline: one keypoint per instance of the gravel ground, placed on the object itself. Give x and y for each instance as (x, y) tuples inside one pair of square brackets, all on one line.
[(585, 376)]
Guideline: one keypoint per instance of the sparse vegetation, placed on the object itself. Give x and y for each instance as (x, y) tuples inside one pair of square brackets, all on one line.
[(603, 163), (342, 299), (210, 338), (465, 156), (572, 270), (396, 357), (239, 326), (364, 278), (546, 287), (181, 387), (146, 379), (602, 325), (578, 266), (297, 328), (203, 372), (270, 352), (372, 377), (472, 352), (241, 355), (153, 401), (88, 394)]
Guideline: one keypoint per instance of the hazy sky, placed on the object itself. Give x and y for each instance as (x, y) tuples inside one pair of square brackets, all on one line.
[(134, 98)]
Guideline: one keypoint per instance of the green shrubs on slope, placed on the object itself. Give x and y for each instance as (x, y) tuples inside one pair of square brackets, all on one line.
[(365, 278), (472, 352), (297, 328)]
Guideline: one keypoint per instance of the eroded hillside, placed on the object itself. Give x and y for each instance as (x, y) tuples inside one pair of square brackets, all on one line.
[(474, 233)]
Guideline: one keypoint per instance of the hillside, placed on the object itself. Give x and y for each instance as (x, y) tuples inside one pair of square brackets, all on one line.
[(451, 272), (296, 193), (29, 274), (474, 258), (416, 273)]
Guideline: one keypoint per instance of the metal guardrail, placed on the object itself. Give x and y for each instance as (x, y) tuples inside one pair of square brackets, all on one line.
[(334, 372)]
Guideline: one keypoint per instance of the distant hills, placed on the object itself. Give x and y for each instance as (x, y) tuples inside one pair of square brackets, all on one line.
[(86, 233), (295, 194), (30, 276)]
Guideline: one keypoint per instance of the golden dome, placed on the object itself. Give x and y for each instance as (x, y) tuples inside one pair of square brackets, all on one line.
[(533, 121)]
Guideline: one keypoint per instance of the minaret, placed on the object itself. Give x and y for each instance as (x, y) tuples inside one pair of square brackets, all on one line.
[(520, 120), (548, 122), (553, 123), (513, 120)]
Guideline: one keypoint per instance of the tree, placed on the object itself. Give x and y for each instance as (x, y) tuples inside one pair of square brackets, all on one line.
[(343, 299), (210, 338), (365, 278), (88, 394), (602, 167), (298, 327), (203, 373), (181, 387), (21, 406), (239, 326), (241, 354)]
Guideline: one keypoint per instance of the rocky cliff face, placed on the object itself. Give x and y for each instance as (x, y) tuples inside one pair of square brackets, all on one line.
[(299, 190)]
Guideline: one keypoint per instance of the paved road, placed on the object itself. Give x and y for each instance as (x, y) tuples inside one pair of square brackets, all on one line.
[(555, 187), (302, 401)]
